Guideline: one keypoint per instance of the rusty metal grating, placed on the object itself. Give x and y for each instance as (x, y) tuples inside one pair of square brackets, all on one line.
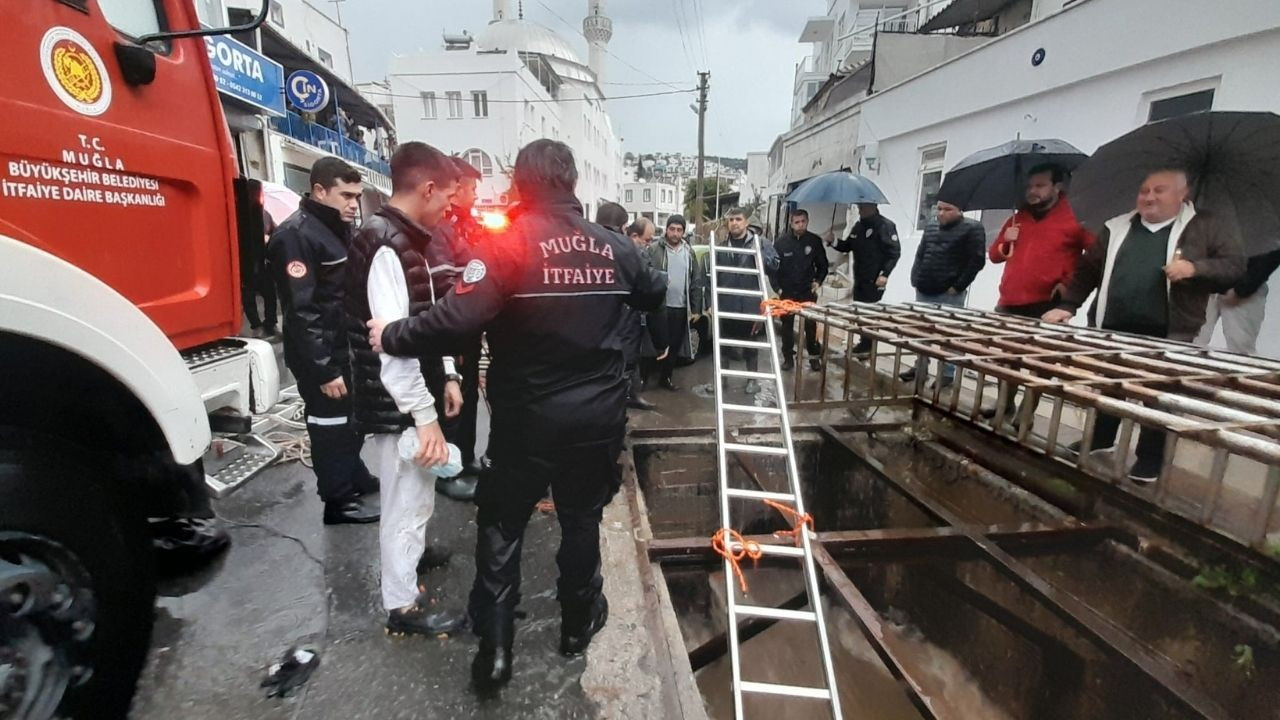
[(1224, 405)]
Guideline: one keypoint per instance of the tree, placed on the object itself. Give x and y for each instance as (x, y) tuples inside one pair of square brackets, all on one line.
[(708, 197)]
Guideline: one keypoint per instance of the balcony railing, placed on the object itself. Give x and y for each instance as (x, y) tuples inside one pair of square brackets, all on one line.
[(330, 141)]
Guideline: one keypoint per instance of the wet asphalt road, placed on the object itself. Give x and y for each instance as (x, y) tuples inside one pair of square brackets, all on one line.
[(288, 579)]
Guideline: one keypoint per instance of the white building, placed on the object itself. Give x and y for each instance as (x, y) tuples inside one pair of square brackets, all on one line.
[(654, 200), (974, 77), (755, 185), (516, 82)]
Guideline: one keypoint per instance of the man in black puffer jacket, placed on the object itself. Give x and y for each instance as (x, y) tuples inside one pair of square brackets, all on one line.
[(388, 276), (307, 255), (552, 295), (951, 254)]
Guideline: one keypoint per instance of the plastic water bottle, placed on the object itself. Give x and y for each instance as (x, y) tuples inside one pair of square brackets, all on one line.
[(408, 446)]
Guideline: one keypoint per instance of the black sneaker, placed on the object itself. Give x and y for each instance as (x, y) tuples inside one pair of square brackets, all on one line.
[(1146, 471), (788, 364), (574, 642), (491, 667), (417, 621), (815, 363), (908, 375), (1074, 448)]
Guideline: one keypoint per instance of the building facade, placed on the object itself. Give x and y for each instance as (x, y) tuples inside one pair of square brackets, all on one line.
[(654, 200), (1030, 69), (484, 98)]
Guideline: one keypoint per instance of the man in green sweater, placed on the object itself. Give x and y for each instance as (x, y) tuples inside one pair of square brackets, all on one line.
[(1154, 270)]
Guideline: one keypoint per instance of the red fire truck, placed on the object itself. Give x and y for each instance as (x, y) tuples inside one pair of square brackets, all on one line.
[(121, 218)]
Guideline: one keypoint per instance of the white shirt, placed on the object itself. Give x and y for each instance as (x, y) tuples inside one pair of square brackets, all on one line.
[(1157, 227), (402, 377)]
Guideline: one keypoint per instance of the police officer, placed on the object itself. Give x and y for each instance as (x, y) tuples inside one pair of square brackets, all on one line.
[(307, 255), (552, 294), (802, 268), (874, 244)]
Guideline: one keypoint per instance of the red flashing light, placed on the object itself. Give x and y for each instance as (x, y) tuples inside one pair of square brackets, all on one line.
[(494, 221)]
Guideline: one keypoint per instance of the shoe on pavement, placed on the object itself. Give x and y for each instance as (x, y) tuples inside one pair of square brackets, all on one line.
[(815, 363), (788, 364), (491, 667), (639, 403), (753, 387), (356, 511), (670, 384), (908, 375), (458, 487), (433, 557), (369, 486), (574, 641), (417, 621), (1074, 448), (1146, 471)]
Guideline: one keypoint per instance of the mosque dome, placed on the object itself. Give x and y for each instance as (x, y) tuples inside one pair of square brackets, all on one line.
[(529, 37)]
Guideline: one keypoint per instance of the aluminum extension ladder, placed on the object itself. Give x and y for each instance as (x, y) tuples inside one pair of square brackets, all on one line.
[(726, 449)]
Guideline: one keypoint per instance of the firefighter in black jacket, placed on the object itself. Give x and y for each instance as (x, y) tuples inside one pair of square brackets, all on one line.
[(874, 244), (552, 295), (307, 254), (802, 266)]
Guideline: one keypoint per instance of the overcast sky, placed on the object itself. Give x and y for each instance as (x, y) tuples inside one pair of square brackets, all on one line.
[(750, 48)]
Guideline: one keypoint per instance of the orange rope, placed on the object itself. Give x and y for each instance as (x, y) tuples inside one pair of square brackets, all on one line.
[(798, 521), (746, 549), (750, 548), (778, 308)]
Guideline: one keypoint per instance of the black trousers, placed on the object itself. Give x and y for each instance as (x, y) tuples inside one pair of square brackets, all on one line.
[(259, 284), (335, 445), (866, 291), (1150, 441), (676, 329), (742, 330), (788, 329), (583, 479)]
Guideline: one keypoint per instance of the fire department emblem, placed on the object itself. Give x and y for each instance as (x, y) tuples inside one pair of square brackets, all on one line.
[(474, 272), (75, 71), (296, 269)]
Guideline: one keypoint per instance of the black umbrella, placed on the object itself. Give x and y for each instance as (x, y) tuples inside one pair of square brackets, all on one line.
[(1231, 158), (996, 178)]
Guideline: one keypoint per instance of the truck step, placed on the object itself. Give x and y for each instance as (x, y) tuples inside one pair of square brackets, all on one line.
[(213, 352), (235, 460)]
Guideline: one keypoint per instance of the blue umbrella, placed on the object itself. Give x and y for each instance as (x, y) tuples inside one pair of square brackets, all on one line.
[(838, 187)]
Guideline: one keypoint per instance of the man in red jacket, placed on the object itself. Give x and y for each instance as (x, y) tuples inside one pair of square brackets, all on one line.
[(1040, 246)]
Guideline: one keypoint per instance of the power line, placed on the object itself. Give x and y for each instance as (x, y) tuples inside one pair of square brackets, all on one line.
[(702, 34), (610, 52), (675, 8)]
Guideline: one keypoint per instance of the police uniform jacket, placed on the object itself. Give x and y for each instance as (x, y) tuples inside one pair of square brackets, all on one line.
[(874, 244), (307, 255), (802, 261), (552, 294)]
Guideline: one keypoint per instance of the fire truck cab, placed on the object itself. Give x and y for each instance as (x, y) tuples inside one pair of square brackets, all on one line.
[(121, 217)]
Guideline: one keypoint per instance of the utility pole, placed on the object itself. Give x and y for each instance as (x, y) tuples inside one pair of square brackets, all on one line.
[(702, 128)]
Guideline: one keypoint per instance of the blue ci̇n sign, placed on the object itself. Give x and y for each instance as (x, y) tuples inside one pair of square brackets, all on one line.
[(307, 91)]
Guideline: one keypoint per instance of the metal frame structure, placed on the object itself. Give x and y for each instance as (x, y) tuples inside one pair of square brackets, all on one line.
[(954, 539), (740, 451), (1228, 403)]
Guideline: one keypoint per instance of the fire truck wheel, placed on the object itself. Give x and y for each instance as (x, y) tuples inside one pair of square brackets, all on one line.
[(76, 586)]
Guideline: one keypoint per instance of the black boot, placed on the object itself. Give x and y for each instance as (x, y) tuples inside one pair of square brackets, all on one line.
[(432, 558), (353, 511), (576, 636), (417, 621), (492, 665)]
